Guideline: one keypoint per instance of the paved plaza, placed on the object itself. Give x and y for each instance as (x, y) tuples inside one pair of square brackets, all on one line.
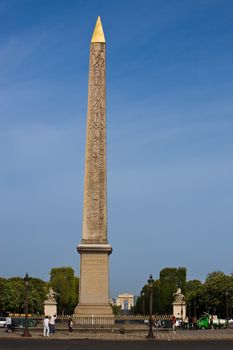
[(180, 335)]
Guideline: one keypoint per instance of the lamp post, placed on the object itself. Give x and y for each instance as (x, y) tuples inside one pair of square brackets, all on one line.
[(194, 321), (143, 303), (227, 308), (150, 333), (26, 330)]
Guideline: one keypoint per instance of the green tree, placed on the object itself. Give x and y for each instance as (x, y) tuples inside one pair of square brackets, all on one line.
[(3, 281), (116, 309), (37, 294), (76, 287), (64, 284), (163, 290), (191, 288), (13, 295), (217, 285), (170, 279), (214, 295)]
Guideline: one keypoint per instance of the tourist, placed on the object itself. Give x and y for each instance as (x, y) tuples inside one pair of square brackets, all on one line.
[(8, 324), (52, 323), (211, 322), (70, 325), (186, 322), (194, 322), (173, 322), (46, 326)]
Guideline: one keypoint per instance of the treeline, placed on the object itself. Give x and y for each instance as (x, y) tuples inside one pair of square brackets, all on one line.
[(214, 296), (62, 280)]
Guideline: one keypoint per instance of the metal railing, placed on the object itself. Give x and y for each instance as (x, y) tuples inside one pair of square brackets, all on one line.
[(118, 323), (94, 323)]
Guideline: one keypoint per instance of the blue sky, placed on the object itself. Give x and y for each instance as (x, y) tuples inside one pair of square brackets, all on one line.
[(170, 126)]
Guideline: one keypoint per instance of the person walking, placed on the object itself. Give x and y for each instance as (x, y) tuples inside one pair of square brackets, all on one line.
[(46, 326), (70, 325), (8, 324), (52, 323), (174, 323), (186, 323)]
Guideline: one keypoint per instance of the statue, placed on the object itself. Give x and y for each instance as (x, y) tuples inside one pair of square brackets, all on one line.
[(50, 304), (179, 296), (51, 294), (179, 305)]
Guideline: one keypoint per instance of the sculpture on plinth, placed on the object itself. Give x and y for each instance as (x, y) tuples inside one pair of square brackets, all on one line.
[(179, 305), (50, 304)]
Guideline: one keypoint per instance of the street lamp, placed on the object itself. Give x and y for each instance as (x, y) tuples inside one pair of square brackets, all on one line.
[(143, 303), (227, 309), (150, 284), (26, 330)]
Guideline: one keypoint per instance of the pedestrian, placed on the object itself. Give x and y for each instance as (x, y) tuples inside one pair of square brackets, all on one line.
[(8, 324), (194, 322), (173, 322), (186, 322), (211, 322), (46, 326), (70, 325), (52, 323)]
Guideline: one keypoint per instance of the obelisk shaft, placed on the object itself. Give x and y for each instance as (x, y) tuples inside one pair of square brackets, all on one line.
[(95, 201), (94, 248)]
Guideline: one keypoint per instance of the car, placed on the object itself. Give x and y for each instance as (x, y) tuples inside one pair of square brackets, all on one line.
[(2, 321), (206, 321), (203, 322)]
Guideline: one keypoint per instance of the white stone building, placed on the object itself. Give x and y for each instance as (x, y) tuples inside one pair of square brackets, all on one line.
[(125, 300)]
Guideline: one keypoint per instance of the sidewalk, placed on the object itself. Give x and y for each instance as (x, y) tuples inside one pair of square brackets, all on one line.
[(220, 334)]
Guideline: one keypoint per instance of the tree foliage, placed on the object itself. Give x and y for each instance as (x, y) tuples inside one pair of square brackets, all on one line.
[(162, 292), (116, 309), (65, 285), (191, 288), (12, 296), (215, 295), (170, 279), (37, 294)]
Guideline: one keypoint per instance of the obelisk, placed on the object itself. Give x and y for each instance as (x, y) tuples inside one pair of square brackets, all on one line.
[(94, 249)]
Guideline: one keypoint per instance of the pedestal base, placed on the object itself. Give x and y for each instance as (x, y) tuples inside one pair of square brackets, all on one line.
[(179, 309), (50, 307), (94, 310), (94, 281)]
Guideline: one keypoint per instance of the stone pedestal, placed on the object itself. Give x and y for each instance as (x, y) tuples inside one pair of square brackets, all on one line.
[(179, 309), (94, 276), (179, 305), (50, 307)]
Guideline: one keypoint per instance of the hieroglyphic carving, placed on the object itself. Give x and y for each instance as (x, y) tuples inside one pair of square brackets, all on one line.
[(95, 207)]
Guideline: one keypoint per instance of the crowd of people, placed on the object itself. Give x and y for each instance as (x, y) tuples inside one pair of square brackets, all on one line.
[(185, 323)]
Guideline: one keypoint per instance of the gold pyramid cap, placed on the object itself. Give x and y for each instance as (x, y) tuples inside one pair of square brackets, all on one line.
[(98, 34)]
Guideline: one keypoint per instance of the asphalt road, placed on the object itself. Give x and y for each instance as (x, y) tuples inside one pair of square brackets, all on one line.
[(71, 344)]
